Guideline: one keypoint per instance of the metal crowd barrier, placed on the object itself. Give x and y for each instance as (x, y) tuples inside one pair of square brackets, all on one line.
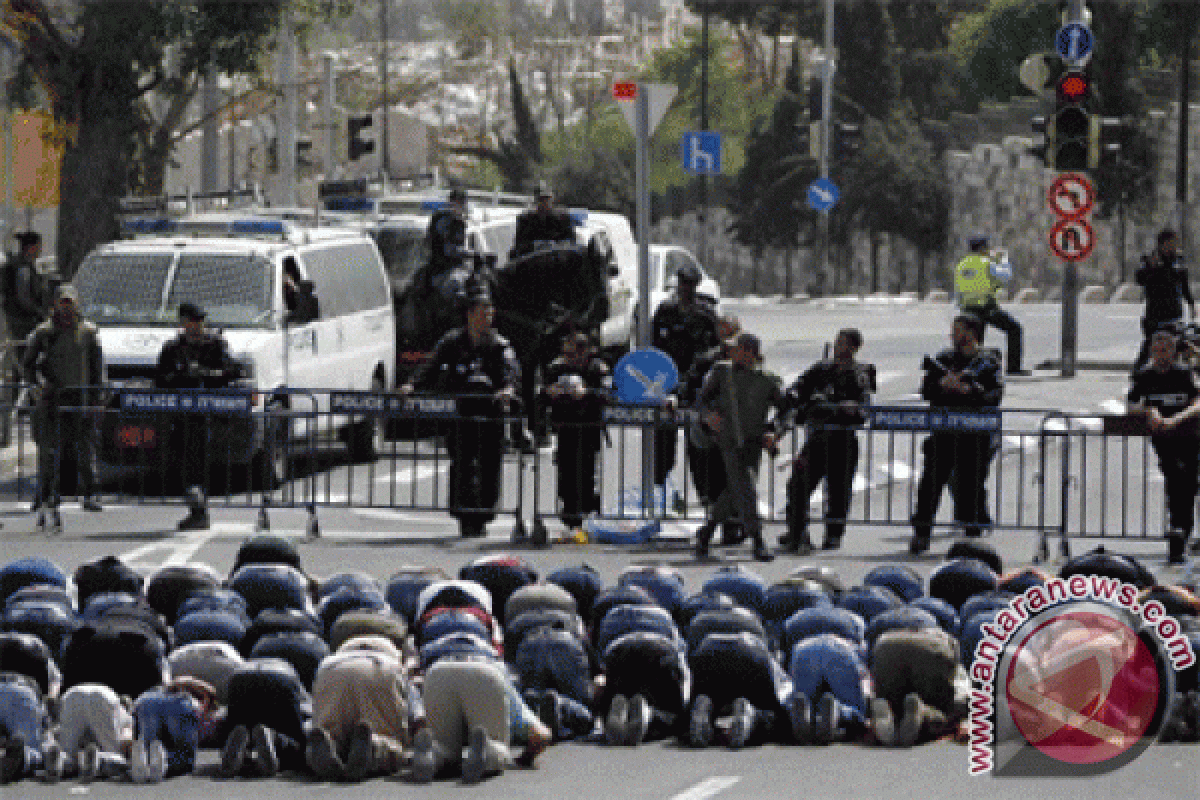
[(1054, 474)]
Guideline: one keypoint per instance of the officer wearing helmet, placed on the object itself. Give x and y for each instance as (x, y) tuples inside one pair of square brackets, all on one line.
[(977, 278), (542, 226)]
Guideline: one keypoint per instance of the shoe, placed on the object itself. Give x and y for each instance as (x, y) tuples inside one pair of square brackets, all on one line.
[(832, 542), (548, 712), (800, 713), (677, 504), (56, 523), (54, 762), (1019, 373), (472, 530), (909, 729), (617, 721), (233, 755), (264, 748), (88, 760), (536, 743), (703, 536), (732, 534), (796, 545), (761, 553), (475, 762), (92, 504), (358, 754), (919, 542), (742, 725), (12, 760), (322, 757), (195, 521), (424, 764), (700, 725), (638, 721), (1176, 546), (156, 762), (139, 767), (827, 721), (883, 723)]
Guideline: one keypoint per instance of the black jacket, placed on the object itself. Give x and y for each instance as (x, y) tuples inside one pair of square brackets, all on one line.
[(1170, 391), (684, 333), (817, 395), (535, 226), (981, 372), (460, 368), (1166, 285), (201, 363), (447, 240)]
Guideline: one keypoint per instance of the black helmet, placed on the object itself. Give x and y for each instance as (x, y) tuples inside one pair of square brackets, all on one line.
[(977, 242), (688, 273)]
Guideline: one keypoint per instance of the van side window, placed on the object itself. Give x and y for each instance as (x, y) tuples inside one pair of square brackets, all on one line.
[(347, 278)]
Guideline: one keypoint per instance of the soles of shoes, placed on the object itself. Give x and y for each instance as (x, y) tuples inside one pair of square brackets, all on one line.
[(358, 755), (53, 763), (700, 726), (638, 720), (547, 711), (139, 758), (883, 722), (616, 721), (826, 721), (424, 764), (233, 754), (264, 749), (475, 763), (909, 729), (89, 762), (800, 714), (742, 724), (322, 757)]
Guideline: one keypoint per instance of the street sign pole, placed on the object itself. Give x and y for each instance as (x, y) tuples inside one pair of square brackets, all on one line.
[(826, 137), (642, 135), (1070, 291)]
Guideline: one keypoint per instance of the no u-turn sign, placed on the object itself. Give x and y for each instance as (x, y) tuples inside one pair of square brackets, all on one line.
[(1072, 239)]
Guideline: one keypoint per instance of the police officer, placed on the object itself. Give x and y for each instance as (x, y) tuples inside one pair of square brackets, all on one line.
[(1164, 279), (479, 365), (704, 457), (542, 226), (197, 358), (1165, 393), (831, 394), (22, 298), (961, 377), (447, 234), (976, 280), (683, 326), (64, 359)]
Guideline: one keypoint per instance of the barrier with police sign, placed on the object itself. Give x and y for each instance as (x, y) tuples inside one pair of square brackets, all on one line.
[(1072, 239)]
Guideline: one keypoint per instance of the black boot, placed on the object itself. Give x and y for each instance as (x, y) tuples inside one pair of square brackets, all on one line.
[(1176, 546), (920, 539), (703, 538), (797, 544)]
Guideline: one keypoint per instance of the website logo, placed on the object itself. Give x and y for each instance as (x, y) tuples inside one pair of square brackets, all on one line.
[(1073, 678)]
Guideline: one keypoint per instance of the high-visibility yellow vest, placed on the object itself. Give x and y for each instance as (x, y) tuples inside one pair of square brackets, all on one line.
[(973, 281)]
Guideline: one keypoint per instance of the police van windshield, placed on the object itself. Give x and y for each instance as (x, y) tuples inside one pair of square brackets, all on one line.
[(403, 250), (146, 288)]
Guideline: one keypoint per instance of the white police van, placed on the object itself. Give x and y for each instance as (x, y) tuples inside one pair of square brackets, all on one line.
[(234, 267)]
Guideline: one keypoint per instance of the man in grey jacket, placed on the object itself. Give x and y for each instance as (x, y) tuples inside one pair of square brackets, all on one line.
[(736, 399)]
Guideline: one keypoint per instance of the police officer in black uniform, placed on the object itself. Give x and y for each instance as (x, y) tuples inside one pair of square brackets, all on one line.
[(479, 366), (578, 386), (831, 395), (198, 358), (1165, 393), (683, 327), (447, 234), (964, 377), (542, 226)]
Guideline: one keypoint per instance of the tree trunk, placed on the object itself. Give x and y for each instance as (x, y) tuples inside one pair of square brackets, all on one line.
[(95, 169)]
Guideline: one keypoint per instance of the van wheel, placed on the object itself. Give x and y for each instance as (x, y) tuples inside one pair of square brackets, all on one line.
[(365, 438)]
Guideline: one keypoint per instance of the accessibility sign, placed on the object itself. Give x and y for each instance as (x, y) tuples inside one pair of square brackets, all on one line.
[(1074, 42), (1071, 196), (701, 152), (822, 194), (1072, 239), (645, 377)]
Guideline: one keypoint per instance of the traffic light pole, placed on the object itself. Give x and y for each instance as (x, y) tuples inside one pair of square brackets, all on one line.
[(1070, 289), (826, 137)]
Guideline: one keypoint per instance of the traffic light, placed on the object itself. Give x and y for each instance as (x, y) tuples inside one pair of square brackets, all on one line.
[(847, 140), (304, 152), (356, 145), (1072, 122), (1109, 137)]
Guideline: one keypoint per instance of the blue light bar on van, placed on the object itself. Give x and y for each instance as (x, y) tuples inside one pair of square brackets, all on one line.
[(258, 226), (434, 205), (148, 225), (349, 204), (578, 216)]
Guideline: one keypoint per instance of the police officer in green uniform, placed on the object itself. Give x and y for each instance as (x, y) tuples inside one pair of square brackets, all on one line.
[(976, 280)]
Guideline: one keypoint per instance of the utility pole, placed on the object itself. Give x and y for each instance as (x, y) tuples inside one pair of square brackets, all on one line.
[(703, 215), (327, 106), (286, 129), (210, 103), (1187, 29), (383, 76), (828, 67)]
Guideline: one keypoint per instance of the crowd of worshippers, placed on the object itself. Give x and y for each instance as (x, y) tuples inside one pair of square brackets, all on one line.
[(106, 675)]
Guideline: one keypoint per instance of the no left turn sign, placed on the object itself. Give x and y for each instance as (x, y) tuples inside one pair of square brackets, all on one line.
[(1071, 196), (1072, 239)]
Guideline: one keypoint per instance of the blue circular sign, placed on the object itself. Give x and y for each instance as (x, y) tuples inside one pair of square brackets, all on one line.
[(1074, 41), (645, 377), (822, 194)]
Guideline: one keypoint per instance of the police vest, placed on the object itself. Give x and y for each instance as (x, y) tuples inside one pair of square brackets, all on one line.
[(973, 281)]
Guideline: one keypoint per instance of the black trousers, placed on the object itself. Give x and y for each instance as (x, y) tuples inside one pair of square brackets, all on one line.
[(1178, 458), (832, 456), (666, 437), (962, 460), (64, 435), (476, 449), (708, 472), (578, 447), (191, 435), (992, 314)]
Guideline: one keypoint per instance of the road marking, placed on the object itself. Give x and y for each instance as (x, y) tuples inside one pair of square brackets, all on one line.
[(708, 787), (178, 550)]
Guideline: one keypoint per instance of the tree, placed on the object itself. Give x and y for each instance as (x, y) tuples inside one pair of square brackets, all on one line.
[(516, 157), (97, 63), (866, 71)]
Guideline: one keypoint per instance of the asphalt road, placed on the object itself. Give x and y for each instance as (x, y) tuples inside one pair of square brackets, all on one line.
[(380, 540)]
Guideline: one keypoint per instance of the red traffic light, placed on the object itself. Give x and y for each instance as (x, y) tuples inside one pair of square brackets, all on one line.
[(1073, 87)]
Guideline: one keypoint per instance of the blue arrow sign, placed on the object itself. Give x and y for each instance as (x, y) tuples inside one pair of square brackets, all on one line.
[(822, 194), (701, 152), (645, 377), (1074, 42)]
